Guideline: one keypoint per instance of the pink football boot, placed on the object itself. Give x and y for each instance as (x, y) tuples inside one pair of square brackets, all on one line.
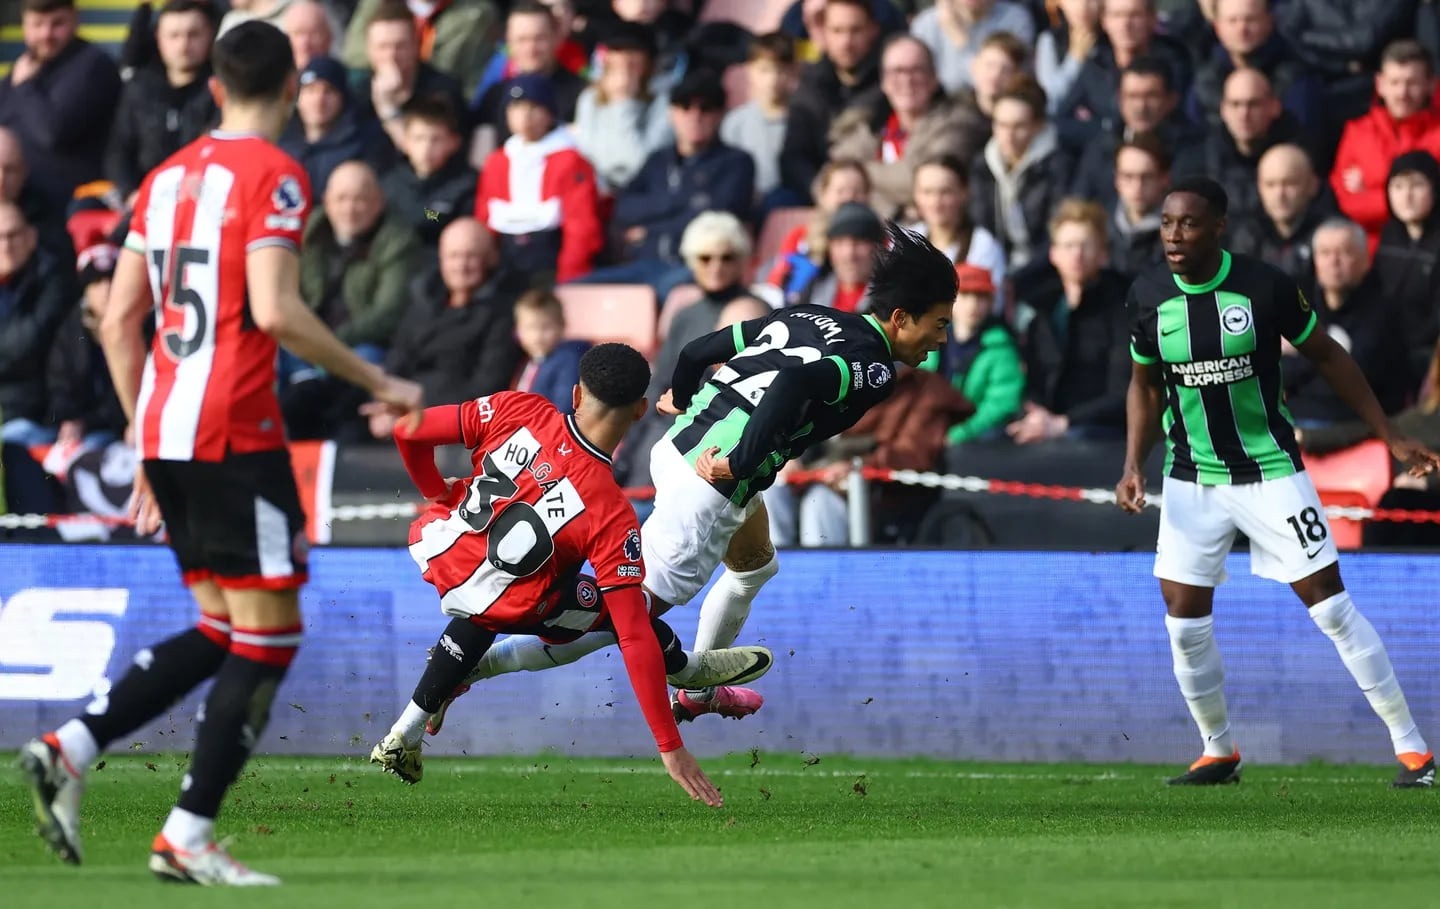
[(728, 700)]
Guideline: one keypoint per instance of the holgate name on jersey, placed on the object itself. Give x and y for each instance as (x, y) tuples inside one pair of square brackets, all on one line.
[(1212, 372)]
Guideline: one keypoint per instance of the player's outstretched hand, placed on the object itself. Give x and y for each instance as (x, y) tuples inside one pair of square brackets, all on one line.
[(666, 405), (711, 468), (685, 770), (1130, 492), (1417, 457), (144, 512)]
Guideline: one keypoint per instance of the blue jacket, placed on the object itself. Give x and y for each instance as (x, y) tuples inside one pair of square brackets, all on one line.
[(558, 374), (669, 192)]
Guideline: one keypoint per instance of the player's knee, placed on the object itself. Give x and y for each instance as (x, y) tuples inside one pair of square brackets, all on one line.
[(759, 561), (1320, 586)]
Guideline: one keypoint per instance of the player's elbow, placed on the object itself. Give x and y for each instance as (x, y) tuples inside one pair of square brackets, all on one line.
[(270, 316)]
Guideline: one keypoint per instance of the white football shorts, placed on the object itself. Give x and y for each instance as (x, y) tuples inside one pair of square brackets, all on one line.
[(1289, 536)]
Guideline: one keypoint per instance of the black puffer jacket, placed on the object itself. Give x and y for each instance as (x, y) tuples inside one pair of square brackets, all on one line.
[(1406, 266), (1256, 235), (155, 120), (1343, 37), (33, 304)]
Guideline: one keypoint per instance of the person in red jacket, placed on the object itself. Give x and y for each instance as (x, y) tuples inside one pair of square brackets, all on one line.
[(1401, 121), (537, 192)]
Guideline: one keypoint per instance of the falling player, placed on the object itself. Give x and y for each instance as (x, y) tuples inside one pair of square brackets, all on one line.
[(788, 381), (1206, 339), (212, 251), (503, 548)]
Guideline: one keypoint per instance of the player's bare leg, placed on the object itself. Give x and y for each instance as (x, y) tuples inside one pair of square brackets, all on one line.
[(749, 562), (1201, 677), (54, 765), (264, 637), (1363, 653)]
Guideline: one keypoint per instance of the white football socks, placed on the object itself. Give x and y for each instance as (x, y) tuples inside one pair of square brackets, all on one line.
[(525, 653), (1202, 680), (1364, 655), (188, 832), (411, 725), (77, 744), (727, 605)]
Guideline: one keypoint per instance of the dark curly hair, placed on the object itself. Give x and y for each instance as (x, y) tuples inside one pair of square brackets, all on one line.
[(616, 374), (910, 275)]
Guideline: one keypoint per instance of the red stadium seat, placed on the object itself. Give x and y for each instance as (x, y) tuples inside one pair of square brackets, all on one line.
[(610, 312), (1356, 476), (759, 16), (681, 297)]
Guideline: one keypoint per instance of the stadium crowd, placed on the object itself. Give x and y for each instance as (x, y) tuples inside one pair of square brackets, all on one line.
[(475, 162)]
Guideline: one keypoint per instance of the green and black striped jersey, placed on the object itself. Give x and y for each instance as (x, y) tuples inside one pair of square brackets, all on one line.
[(788, 381), (1218, 345)]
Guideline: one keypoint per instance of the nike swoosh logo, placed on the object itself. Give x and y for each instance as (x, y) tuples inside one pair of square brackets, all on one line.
[(761, 666), (1166, 334), (1312, 555)]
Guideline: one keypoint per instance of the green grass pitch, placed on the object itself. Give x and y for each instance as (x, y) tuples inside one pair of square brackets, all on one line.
[(796, 830)]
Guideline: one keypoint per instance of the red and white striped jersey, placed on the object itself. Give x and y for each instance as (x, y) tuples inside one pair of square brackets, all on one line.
[(209, 381), (542, 501)]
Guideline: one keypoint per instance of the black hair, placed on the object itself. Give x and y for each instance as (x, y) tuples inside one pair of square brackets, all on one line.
[(253, 60), (1152, 65), (433, 108), (616, 374), (911, 275), (204, 7), (1212, 192), (952, 163), (46, 6)]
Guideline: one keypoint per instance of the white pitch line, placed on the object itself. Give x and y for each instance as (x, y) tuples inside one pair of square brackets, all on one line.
[(446, 766)]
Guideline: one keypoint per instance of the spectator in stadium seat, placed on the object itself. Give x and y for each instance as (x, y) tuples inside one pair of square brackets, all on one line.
[(457, 37), (166, 105), (1292, 205), (1343, 40), (357, 261), (847, 75), (1401, 120), (672, 24), (1142, 178), (698, 173), (981, 360), (325, 131), (758, 126), (802, 252), (1091, 107), (618, 122), (854, 235), (532, 38), (433, 184), (43, 206), (954, 30), (1148, 103), (549, 228), (457, 337), (1062, 51), (83, 406), (572, 54), (312, 29), (36, 294), (942, 196), (1409, 252), (1002, 58), (551, 366), (1353, 310), (804, 21), (1253, 123), (1246, 35), (1022, 174), (1071, 315), (396, 74), (59, 96), (910, 122)]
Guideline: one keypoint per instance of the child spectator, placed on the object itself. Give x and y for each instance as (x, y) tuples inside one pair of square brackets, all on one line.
[(802, 252), (537, 193), (618, 122), (432, 184), (758, 126), (981, 359), (552, 364)]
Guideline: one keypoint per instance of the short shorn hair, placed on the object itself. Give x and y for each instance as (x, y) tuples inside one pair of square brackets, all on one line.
[(433, 108), (862, 5), (253, 61), (1085, 212), (616, 374), (1216, 200), (46, 6), (1149, 143), (776, 46), (541, 300), (1027, 91), (911, 275), (1008, 44), (1405, 52), (1151, 66), (391, 11)]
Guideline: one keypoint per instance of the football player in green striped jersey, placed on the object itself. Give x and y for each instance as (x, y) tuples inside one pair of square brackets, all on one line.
[(1205, 340)]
